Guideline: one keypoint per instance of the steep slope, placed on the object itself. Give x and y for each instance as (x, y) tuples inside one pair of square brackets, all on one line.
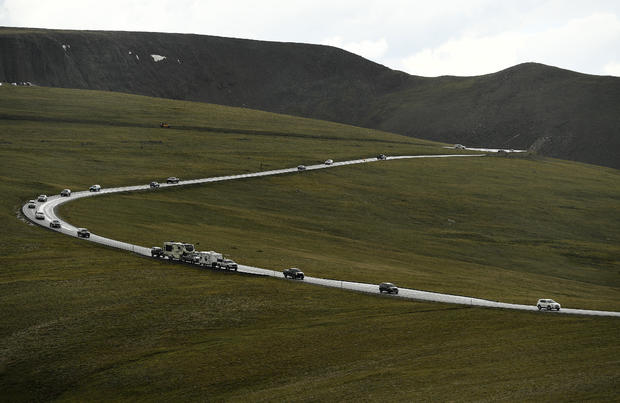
[(557, 112), (281, 77)]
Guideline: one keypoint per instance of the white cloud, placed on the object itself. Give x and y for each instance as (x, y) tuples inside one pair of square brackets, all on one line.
[(429, 38), (612, 69), (465, 56), (373, 50), (579, 44)]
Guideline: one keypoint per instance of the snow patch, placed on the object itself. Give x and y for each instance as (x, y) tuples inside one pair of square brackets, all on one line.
[(158, 58)]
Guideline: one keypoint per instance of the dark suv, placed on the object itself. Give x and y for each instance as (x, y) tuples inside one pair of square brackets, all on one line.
[(293, 273), (83, 233), (381, 157), (388, 287), (156, 251)]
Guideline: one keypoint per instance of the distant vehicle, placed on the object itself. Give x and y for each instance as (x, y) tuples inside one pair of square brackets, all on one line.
[(179, 251), (293, 273), (210, 259), (65, 193), (172, 179), (388, 287), (301, 167), (83, 233), (154, 185), (547, 304), (459, 147), (32, 204), (42, 198), (329, 162), (55, 224), (39, 215), (95, 188), (164, 125), (381, 157), (228, 264), (157, 252)]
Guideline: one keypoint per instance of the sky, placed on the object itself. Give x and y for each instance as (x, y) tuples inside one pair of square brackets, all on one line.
[(426, 38)]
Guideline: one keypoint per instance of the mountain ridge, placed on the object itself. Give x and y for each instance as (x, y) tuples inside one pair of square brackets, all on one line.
[(556, 112)]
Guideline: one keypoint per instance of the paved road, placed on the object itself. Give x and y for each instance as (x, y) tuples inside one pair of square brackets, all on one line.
[(49, 210)]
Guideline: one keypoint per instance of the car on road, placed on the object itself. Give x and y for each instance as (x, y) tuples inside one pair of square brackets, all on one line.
[(95, 188), (42, 198), (381, 157), (293, 273), (548, 304), (65, 193), (83, 233), (229, 264), (55, 224), (172, 179), (154, 185), (301, 167), (329, 162), (459, 147), (156, 251), (388, 287), (32, 203), (39, 215)]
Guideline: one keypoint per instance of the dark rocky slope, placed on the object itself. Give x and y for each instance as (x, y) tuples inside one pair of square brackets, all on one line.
[(558, 112)]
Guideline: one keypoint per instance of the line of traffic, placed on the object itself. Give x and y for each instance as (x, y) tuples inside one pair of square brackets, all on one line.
[(48, 216)]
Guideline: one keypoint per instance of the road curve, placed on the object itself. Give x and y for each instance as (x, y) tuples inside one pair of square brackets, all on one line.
[(49, 210)]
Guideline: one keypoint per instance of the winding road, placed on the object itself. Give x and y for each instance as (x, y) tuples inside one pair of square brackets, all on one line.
[(49, 210)]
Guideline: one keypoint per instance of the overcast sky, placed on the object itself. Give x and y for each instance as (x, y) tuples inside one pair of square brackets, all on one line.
[(428, 38)]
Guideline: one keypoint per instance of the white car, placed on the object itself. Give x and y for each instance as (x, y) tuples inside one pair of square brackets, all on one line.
[(65, 193), (329, 162), (548, 304), (32, 204), (459, 147), (95, 188), (39, 215), (42, 198)]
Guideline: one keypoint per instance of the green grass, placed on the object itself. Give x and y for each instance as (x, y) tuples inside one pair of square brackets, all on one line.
[(83, 322), (496, 228)]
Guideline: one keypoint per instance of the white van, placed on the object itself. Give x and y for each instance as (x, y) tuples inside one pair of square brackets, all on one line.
[(547, 304)]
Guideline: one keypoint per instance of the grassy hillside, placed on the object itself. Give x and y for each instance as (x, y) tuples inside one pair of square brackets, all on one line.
[(82, 322), (492, 228), (558, 112)]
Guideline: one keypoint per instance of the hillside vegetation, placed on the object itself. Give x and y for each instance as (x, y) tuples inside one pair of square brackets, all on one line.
[(84, 322), (556, 112)]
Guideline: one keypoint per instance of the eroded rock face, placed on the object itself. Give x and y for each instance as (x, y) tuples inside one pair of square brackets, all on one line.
[(576, 114)]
